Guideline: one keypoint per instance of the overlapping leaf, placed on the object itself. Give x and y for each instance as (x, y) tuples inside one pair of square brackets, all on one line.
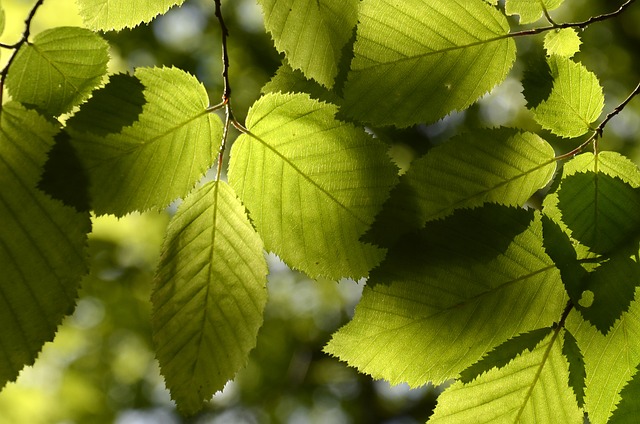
[(417, 60), (464, 284), (58, 69), (312, 184), (501, 166), (600, 210), (562, 42), (162, 155), (533, 388), (577, 369), (106, 15), (41, 243), (311, 33), (610, 360), (575, 102), (530, 10), (210, 295), (628, 409)]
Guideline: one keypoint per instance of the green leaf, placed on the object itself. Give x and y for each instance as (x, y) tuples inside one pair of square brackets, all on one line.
[(58, 69), (41, 243), (562, 42), (107, 15), (601, 211), (418, 60), (531, 389), (505, 353), (628, 409), (111, 108), (2, 19), (577, 371), (498, 165), (575, 102), (312, 184), (537, 81), (209, 295), (162, 155), (464, 284), (530, 10), (311, 33), (288, 80), (613, 285), (610, 360)]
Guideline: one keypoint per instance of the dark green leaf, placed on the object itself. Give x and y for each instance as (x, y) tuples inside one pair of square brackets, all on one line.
[(577, 371), (628, 410)]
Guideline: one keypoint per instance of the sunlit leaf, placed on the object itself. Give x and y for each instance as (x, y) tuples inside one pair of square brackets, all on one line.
[(505, 353), (498, 165), (162, 155), (209, 296), (109, 15), (418, 60), (577, 371), (612, 286), (311, 183), (311, 33), (530, 10), (41, 243), (628, 410), (610, 360), (575, 102), (600, 210), (531, 389), (562, 42), (288, 80), (58, 69), (464, 284)]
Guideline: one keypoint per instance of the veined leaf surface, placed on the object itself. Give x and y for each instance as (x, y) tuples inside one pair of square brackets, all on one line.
[(463, 284), (312, 184), (417, 60), (628, 409), (107, 15), (531, 389), (162, 155), (494, 165), (58, 69), (209, 296), (41, 243), (575, 102), (563, 42), (530, 10), (311, 33)]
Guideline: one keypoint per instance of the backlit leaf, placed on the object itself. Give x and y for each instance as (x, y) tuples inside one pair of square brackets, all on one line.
[(531, 389), (577, 371), (464, 284), (109, 15), (162, 155), (501, 166), (628, 409), (530, 10), (610, 360), (613, 285), (418, 60), (311, 33), (563, 42), (311, 183), (505, 353), (41, 243), (209, 296), (601, 211), (575, 102), (58, 69)]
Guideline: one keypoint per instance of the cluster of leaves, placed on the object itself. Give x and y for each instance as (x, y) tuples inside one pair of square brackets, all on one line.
[(532, 311)]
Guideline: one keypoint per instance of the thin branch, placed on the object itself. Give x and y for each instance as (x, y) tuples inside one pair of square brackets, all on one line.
[(580, 25), (597, 132), (16, 46), (225, 55)]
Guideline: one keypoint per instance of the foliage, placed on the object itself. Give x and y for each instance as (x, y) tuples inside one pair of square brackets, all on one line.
[(484, 262)]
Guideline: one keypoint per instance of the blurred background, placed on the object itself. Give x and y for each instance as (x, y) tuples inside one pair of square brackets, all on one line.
[(101, 368)]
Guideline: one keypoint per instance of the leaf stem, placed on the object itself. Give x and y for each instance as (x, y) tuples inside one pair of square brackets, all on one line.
[(16, 46), (597, 133), (580, 25)]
